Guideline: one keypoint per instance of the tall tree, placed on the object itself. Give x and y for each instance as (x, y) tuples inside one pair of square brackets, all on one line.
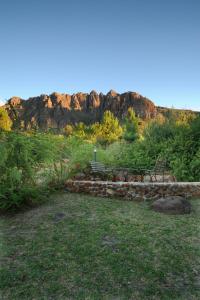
[(5, 121), (110, 129), (131, 126)]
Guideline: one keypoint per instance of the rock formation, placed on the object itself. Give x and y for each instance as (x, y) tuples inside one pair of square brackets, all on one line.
[(57, 110)]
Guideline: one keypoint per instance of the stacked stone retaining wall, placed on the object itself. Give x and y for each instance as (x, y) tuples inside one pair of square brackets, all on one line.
[(135, 190)]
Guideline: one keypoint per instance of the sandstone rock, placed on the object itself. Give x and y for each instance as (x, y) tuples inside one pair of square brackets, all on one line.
[(14, 101), (172, 205), (57, 110)]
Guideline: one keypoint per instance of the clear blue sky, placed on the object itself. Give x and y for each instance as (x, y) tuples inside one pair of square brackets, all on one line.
[(148, 46)]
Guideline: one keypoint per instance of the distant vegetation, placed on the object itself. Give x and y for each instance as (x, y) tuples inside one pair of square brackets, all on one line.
[(32, 162)]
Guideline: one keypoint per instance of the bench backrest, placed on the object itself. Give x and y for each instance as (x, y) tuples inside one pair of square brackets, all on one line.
[(97, 166)]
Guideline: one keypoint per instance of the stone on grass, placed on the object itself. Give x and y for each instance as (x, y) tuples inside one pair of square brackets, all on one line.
[(58, 216), (172, 205)]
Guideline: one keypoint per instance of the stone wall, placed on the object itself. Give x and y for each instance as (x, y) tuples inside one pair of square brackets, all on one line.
[(135, 190)]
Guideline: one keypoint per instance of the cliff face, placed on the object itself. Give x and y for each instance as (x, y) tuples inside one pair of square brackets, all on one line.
[(57, 110)]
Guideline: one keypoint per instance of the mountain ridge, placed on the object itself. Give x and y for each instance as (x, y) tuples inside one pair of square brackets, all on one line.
[(57, 110)]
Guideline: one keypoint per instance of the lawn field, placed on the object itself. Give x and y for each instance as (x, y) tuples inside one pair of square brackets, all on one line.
[(81, 247)]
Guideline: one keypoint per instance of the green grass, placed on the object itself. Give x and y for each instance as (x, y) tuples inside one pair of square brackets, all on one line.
[(100, 249)]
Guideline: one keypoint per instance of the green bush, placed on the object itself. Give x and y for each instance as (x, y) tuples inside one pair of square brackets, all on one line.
[(22, 157), (79, 153)]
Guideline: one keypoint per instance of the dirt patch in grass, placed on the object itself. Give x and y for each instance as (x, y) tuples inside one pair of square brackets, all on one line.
[(81, 247)]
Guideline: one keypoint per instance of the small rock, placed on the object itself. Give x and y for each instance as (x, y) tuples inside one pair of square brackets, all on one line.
[(79, 176), (110, 192), (172, 205), (58, 217), (109, 240)]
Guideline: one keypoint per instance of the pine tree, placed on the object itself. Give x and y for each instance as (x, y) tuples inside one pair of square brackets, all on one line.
[(110, 129), (131, 126)]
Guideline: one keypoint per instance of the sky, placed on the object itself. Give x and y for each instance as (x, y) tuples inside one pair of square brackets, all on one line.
[(148, 46)]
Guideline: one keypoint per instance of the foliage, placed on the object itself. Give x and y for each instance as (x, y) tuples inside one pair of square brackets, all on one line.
[(181, 117), (22, 157), (80, 130), (31, 161), (5, 121), (178, 143), (131, 126), (109, 130), (68, 130), (79, 153)]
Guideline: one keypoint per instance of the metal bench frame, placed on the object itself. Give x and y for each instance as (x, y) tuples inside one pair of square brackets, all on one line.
[(160, 168), (99, 169)]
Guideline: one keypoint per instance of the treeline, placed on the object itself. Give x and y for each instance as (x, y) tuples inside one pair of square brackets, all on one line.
[(108, 131)]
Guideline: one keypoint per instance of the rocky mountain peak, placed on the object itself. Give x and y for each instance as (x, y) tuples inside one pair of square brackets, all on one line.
[(56, 110), (112, 93)]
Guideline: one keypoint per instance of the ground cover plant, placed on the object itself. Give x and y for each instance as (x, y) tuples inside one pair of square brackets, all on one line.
[(82, 247)]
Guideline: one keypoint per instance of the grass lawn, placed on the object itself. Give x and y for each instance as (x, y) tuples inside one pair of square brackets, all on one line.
[(81, 247)]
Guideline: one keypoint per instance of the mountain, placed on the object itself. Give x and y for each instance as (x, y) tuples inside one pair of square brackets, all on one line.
[(57, 110)]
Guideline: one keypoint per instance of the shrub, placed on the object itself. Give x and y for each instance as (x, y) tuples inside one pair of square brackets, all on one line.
[(79, 153), (22, 156)]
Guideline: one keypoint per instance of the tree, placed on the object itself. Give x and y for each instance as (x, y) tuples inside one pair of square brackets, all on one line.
[(131, 126), (68, 130), (80, 130), (5, 121), (185, 117), (109, 130)]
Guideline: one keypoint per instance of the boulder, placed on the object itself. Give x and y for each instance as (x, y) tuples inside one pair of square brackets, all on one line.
[(172, 205)]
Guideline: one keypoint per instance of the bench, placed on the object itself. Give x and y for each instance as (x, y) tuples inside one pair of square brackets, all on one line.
[(99, 169), (159, 169)]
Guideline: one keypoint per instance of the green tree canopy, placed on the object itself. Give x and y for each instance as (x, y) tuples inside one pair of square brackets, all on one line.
[(131, 126), (68, 130), (5, 121), (110, 129), (80, 130)]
